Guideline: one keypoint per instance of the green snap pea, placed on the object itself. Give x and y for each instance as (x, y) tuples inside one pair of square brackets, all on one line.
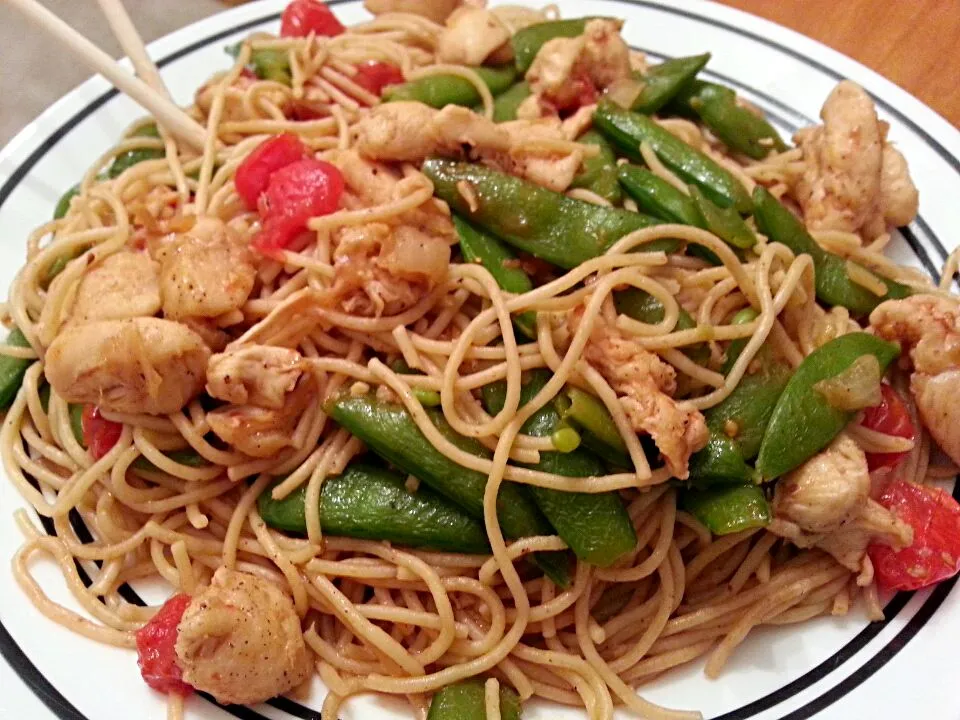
[(390, 431), (427, 398), (528, 41), (76, 423), (737, 127), (481, 247), (803, 422), (266, 63), (506, 104), (599, 173), (466, 700), (657, 197), (186, 456), (662, 82), (725, 223), (438, 91), (737, 426), (641, 305), (735, 349), (546, 224), (63, 204), (128, 159), (627, 130), (12, 370), (726, 510), (45, 396), (596, 526), (833, 283), (372, 503), (598, 431)]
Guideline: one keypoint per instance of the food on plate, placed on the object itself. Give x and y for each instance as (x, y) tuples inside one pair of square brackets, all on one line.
[(480, 360)]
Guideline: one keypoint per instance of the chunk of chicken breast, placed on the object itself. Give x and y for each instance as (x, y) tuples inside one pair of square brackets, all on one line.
[(565, 68), (436, 10), (240, 640), (256, 374), (205, 272), (412, 132), (826, 503), (263, 431), (853, 180), (124, 285), (929, 327), (137, 365), (644, 383), (472, 36)]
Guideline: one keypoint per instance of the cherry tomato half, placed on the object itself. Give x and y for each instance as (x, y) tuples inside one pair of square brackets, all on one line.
[(253, 174), (156, 651), (890, 417), (934, 554), (99, 434), (302, 17), (375, 76)]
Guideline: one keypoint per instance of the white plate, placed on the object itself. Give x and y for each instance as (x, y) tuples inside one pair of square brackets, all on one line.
[(843, 668)]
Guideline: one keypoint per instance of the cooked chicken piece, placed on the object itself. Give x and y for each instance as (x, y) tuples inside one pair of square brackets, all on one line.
[(899, 198), (826, 503), (436, 10), (205, 272), (124, 285), (827, 490), (260, 431), (644, 383), (472, 36), (929, 327), (240, 640), (137, 365), (413, 132), (214, 336), (256, 374), (567, 70), (853, 180)]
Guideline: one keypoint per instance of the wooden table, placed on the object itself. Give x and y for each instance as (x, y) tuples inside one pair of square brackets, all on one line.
[(916, 44)]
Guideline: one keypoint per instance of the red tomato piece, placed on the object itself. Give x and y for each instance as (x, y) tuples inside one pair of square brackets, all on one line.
[(253, 174), (375, 76), (302, 17), (156, 651), (99, 434), (890, 417), (305, 189), (935, 553)]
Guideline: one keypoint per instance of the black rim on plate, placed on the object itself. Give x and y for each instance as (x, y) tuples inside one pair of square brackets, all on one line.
[(785, 116)]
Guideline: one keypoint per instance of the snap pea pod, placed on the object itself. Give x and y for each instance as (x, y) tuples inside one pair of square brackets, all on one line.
[(528, 41), (427, 398), (739, 128), (12, 369), (506, 104), (390, 431), (657, 197), (726, 510), (125, 161), (662, 82), (438, 91), (725, 223), (548, 225), (596, 526), (735, 348), (641, 305), (803, 422), (833, 283), (76, 423), (597, 429), (63, 204), (466, 700), (628, 129), (480, 247), (599, 173), (266, 63), (737, 426), (372, 503)]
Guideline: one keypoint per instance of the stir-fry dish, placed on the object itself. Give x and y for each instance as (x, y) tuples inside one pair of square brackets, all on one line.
[(476, 359)]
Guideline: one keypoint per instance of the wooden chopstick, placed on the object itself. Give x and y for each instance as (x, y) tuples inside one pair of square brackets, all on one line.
[(132, 44), (167, 113)]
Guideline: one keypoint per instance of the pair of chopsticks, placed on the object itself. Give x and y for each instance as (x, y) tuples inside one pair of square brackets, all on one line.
[(147, 90)]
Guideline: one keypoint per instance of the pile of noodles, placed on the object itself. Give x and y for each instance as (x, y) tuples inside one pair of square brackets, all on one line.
[(393, 620)]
